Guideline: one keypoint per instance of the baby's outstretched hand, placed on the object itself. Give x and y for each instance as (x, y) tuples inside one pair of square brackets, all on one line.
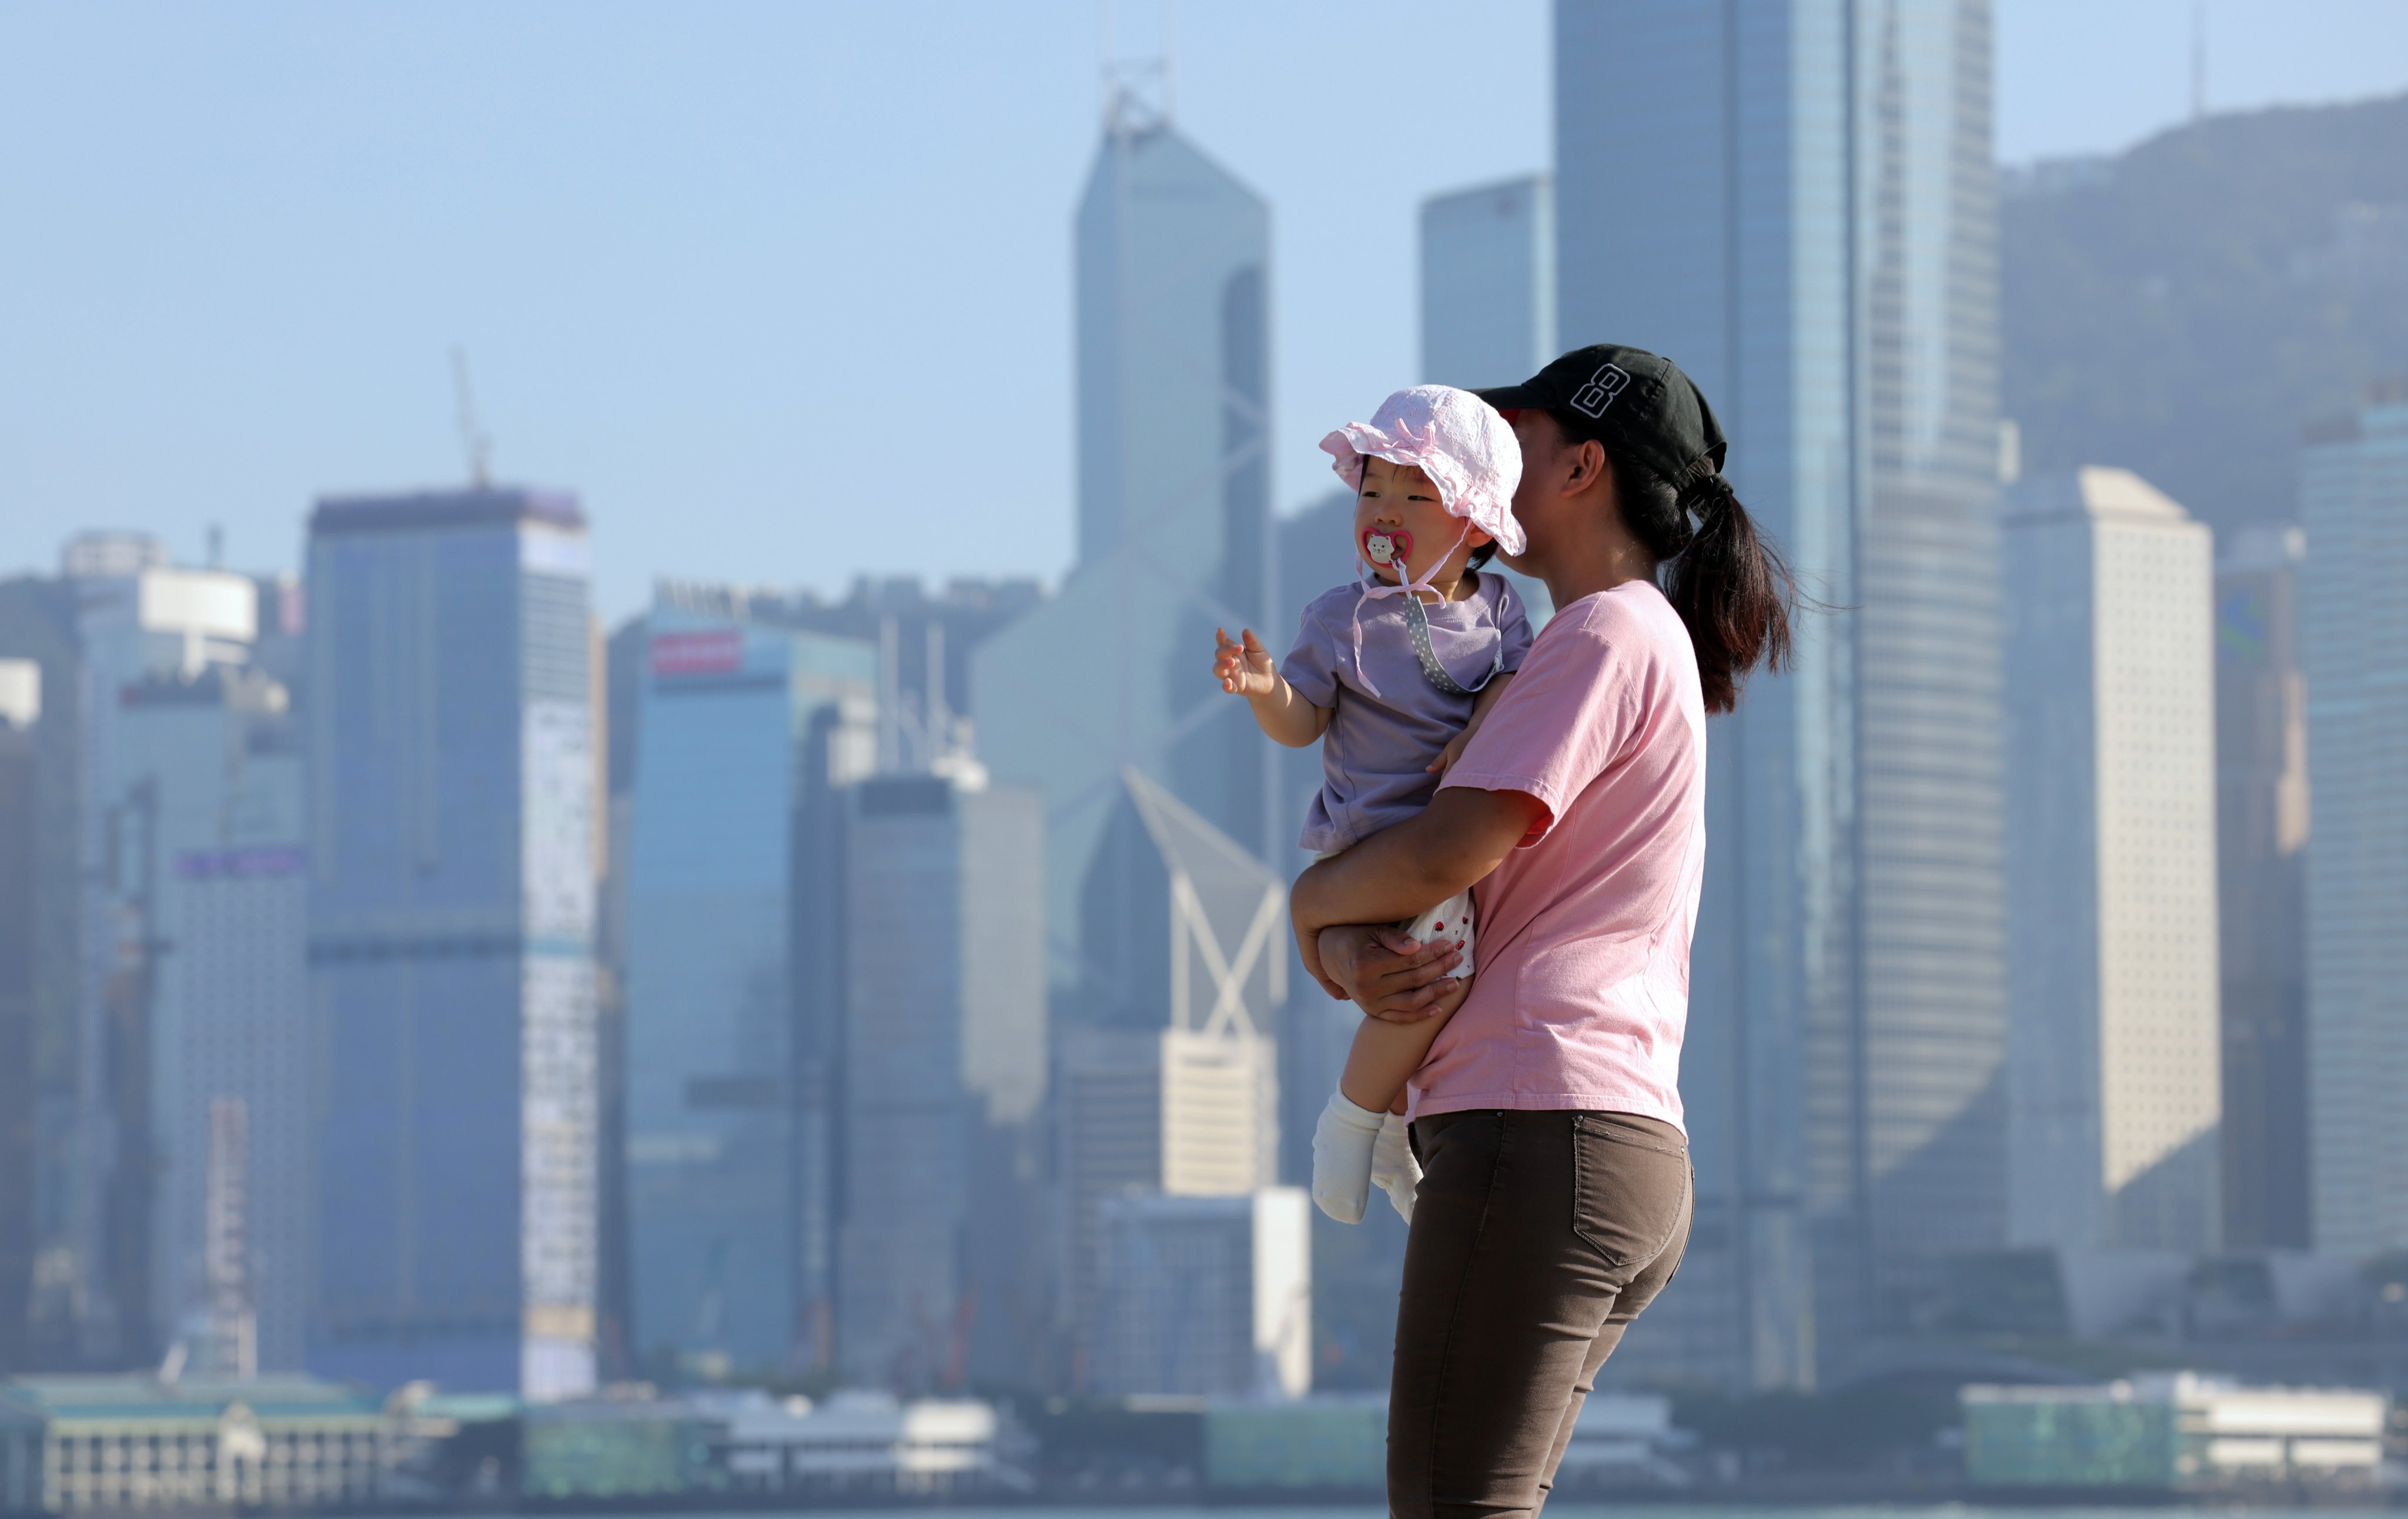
[(1448, 756), (1244, 669)]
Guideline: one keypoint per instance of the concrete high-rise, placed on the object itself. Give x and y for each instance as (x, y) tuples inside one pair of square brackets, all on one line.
[(1488, 283), (2262, 837), (2353, 502), (452, 916), (742, 731), (1174, 521), (942, 1271), (1794, 200), (2115, 1082)]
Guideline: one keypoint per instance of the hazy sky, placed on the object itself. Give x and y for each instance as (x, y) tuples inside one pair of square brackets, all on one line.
[(782, 289)]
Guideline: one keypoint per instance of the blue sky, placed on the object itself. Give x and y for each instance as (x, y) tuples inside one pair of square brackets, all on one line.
[(783, 290)]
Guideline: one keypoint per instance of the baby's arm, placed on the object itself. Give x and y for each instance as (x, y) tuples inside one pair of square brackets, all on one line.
[(1480, 705), (1283, 713)]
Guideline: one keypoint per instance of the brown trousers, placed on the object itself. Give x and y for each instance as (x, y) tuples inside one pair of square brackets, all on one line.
[(1537, 1237)]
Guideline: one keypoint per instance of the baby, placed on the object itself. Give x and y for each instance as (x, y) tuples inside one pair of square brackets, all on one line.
[(1392, 676)]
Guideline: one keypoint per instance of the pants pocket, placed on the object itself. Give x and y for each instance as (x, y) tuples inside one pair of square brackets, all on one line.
[(1630, 1187)]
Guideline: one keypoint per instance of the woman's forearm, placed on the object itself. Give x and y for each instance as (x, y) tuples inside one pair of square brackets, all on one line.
[(1403, 870)]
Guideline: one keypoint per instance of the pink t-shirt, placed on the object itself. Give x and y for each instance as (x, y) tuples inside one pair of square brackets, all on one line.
[(1582, 988)]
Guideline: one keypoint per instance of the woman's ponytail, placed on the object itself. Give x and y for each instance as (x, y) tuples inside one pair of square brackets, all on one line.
[(1731, 587)]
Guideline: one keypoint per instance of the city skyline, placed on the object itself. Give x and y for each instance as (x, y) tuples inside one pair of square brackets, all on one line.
[(893, 990), (478, 171)]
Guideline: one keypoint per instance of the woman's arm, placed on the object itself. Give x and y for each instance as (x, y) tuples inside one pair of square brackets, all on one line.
[(1401, 872)]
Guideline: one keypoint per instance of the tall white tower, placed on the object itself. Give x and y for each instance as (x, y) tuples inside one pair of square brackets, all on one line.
[(2116, 1083)]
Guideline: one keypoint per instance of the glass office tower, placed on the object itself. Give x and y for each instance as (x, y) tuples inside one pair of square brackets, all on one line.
[(2261, 842), (943, 1277), (2353, 498), (1794, 200), (450, 938), (1488, 283), (731, 1012), (1173, 258)]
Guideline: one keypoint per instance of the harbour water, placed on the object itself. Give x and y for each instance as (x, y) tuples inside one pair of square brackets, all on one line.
[(1591, 1511)]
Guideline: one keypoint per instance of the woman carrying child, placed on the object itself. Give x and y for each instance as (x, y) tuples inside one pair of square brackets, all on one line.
[(1555, 1191)]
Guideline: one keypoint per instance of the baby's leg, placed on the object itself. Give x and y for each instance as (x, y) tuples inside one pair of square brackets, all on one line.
[(1385, 1054), (1382, 1058), (1372, 1085)]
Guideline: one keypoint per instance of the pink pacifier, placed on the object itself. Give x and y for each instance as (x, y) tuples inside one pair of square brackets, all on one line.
[(1387, 547)]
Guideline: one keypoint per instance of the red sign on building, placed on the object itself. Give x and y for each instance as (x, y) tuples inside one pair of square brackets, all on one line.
[(713, 651)]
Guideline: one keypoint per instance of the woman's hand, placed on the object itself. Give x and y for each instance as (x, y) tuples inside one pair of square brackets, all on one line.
[(1388, 975)]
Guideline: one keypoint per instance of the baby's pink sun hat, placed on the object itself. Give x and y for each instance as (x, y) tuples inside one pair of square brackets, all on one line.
[(1460, 441)]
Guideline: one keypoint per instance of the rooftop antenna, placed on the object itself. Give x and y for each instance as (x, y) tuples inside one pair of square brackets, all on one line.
[(2198, 59), (479, 447), (1139, 93)]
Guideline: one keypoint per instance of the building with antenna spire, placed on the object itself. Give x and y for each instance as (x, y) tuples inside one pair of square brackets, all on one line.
[(1102, 699), (1173, 263)]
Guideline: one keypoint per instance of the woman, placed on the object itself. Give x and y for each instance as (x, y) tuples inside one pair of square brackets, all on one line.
[(1556, 1191)]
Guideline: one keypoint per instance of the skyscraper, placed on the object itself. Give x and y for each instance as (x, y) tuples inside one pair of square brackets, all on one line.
[(2261, 839), (21, 708), (2353, 500), (1488, 283), (1794, 200), (743, 730), (942, 1273), (2113, 1077), (165, 768), (1173, 519), (220, 793), (450, 932), (38, 621)]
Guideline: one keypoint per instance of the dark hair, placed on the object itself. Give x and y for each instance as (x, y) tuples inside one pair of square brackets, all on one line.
[(1730, 585)]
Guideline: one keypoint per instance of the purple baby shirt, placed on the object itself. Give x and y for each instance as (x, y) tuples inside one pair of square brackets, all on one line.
[(1375, 754)]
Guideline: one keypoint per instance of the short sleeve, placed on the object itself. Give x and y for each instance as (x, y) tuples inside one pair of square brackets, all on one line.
[(1569, 711), (1312, 664), (1512, 627)]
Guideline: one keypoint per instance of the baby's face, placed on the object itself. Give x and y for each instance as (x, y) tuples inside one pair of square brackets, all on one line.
[(1399, 508)]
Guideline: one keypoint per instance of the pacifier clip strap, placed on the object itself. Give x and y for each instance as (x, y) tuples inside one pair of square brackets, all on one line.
[(1417, 620)]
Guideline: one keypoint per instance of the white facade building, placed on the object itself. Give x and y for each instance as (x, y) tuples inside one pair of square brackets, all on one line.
[(1207, 1296), (1488, 283), (2354, 622), (2114, 1085)]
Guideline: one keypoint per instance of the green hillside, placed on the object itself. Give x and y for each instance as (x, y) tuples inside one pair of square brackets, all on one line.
[(2183, 309)]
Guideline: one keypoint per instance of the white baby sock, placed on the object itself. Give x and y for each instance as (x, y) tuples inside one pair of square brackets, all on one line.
[(1393, 1170), (1342, 1158)]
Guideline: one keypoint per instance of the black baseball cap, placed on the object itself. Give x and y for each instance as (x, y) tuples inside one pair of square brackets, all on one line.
[(1637, 404)]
